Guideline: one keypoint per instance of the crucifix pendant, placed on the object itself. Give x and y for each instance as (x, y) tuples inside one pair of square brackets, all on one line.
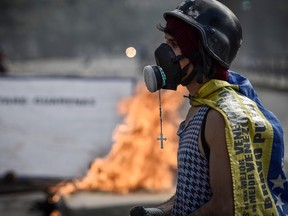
[(161, 139)]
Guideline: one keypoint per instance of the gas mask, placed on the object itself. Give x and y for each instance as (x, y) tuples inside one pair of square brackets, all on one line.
[(168, 73)]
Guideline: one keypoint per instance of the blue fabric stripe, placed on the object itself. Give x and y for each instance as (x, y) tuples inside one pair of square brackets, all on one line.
[(277, 179)]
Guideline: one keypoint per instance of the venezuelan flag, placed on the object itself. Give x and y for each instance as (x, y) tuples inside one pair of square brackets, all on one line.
[(277, 178)]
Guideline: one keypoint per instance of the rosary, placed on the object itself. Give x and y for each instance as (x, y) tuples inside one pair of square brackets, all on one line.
[(161, 138)]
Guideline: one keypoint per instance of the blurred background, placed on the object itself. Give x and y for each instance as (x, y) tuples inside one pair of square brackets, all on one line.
[(68, 29), (116, 38)]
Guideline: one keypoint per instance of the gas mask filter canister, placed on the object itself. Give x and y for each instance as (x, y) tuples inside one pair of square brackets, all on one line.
[(167, 74), (154, 77)]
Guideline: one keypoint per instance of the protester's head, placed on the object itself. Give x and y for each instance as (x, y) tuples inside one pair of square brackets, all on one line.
[(207, 33), (208, 36)]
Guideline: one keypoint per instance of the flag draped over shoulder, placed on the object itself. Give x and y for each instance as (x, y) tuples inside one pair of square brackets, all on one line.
[(255, 145)]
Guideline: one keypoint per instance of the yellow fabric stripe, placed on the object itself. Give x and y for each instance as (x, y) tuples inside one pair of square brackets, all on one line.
[(249, 139)]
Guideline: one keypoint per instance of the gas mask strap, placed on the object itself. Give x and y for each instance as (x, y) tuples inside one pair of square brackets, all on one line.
[(190, 77), (177, 59)]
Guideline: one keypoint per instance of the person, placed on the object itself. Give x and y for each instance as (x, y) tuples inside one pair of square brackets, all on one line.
[(230, 153)]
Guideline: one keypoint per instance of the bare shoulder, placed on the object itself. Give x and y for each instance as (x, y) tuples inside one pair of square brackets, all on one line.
[(215, 117), (219, 170), (215, 128)]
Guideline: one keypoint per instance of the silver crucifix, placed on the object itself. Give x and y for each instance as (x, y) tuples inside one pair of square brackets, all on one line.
[(161, 139)]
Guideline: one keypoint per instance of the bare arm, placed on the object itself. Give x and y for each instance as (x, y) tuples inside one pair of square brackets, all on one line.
[(221, 202)]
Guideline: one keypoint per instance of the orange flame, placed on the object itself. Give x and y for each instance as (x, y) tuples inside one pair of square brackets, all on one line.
[(136, 160)]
